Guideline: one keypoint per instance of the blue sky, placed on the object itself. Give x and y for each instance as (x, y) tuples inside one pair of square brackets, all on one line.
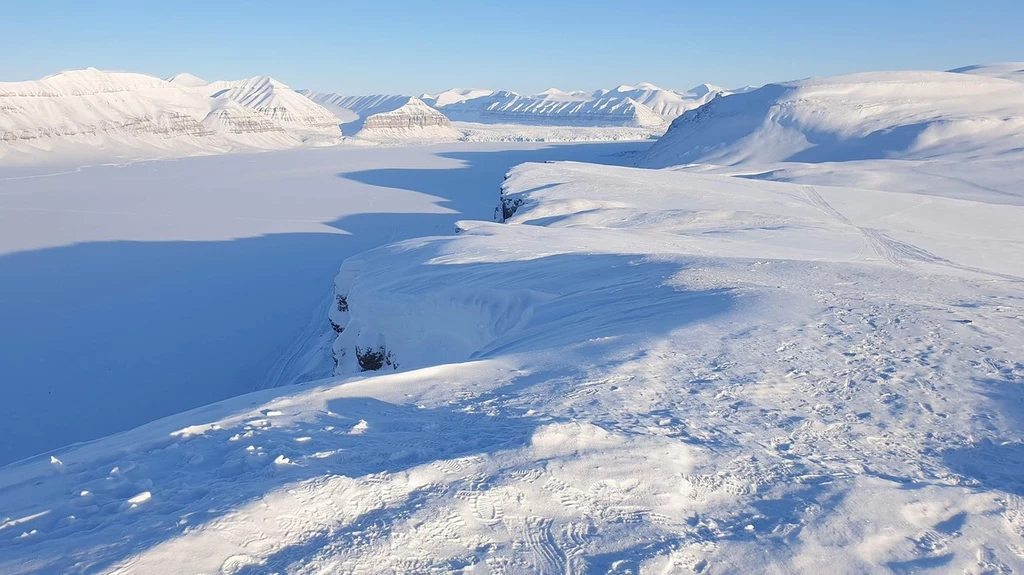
[(527, 45)]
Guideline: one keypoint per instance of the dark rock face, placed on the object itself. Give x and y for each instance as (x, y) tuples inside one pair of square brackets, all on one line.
[(507, 206), (374, 359), (370, 359)]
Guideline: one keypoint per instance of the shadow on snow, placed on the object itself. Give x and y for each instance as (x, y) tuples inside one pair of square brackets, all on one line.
[(106, 336)]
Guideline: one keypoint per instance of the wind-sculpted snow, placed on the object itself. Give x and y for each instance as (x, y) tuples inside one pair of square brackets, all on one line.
[(640, 371), (879, 115)]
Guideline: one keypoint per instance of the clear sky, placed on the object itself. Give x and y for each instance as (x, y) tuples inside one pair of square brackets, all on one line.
[(526, 45)]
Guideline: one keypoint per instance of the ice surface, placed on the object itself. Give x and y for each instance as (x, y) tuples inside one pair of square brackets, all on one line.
[(643, 370), (132, 292)]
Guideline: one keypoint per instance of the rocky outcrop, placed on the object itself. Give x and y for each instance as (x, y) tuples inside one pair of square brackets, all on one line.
[(413, 114), (507, 205), (356, 347)]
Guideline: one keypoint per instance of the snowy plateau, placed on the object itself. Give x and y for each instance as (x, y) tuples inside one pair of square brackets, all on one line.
[(786, 337)]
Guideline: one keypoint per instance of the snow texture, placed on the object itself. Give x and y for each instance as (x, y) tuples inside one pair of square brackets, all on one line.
[(88, 115), (618, 369), (132, 292), (878, 115), (384, 118), (639, 371)]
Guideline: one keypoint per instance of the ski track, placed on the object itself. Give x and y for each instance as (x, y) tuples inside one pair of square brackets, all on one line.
[(891, 250)]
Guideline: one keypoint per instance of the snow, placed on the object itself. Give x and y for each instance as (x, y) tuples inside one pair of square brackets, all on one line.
[(383, 118), (705, 89), (878, 115), (1006, 70), (476, 132), (665, 103), (505, 107), (642, 105), (187, 80), (594, 368), (949, 134), (417, 122), (85, 116), (454, 95), (275, 100), (641, 370), (203, 278)]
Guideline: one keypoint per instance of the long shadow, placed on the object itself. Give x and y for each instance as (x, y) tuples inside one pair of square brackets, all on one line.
[(100, 337), (203, 477), (482, 171), (996, 464), (199, 478)]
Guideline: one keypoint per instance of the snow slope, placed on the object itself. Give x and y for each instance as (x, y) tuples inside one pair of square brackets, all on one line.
[(1006, 70), (879, 115), (505, 107), (666, 103), (91, 115), (187, 80), (413, 120), (163, 286), (346, 108), (641, 371), (951, 134), (276, 101), (387, 118), (477, 132), (454, 95)]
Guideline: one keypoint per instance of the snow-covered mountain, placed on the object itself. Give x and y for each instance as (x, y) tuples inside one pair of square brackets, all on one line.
[(96, 114), (627, 371), (506, 107), (907, 115), (279, 103), (349, 108), (187, 80), (385, 117), (642, 105), (666, 103), (454, 95), (1006, 70)]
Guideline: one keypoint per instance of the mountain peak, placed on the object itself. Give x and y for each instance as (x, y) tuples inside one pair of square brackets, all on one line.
[(187, 80)]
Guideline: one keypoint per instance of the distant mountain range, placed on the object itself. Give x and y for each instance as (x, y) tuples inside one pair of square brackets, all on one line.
[(92, 113)]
